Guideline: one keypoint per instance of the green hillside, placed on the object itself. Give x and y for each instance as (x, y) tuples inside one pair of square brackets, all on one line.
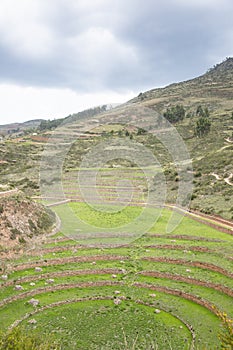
[(210, 153), (141, 255)]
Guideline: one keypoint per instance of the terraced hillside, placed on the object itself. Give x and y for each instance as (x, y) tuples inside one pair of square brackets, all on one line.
[(210, 155), (143, 254), (22, 220), (161, 291)]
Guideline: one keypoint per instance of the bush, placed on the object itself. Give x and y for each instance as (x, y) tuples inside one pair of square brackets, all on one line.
[(15, 231), (21, 339), (197, 174), (202, 126), (174, 114), (226, 335), (31, 225), (46, 220)]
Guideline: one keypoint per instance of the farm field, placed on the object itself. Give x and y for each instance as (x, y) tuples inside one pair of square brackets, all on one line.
[(116, 223), (160, 291)]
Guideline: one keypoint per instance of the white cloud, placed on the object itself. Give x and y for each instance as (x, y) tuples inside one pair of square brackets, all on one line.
[(98, 51), (212, 4), (102, 46), (23, 28), (25, 103)]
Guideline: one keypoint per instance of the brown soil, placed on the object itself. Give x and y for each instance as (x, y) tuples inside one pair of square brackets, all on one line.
[(202, 265), (189, 280), (21, 219)]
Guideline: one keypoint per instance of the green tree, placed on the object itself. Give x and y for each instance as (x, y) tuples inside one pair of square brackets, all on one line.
[(141, 131), (206, 112), (49, 124), (175, 113), (21, 339), (200, 112), (202, 126)]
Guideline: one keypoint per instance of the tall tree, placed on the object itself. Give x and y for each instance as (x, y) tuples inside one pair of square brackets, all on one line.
[(203, 126)]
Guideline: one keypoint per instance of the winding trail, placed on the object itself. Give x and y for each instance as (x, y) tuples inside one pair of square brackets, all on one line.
[(8, 193), (228, 179), (217, 177)]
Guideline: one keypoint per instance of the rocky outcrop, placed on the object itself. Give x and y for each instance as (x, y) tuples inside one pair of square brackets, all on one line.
[(21, 219)]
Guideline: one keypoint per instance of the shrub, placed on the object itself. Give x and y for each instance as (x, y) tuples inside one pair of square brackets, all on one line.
[(31, 225), (174, 114), (46, 220), (226, 335), (197, 174), (21, 339), (15, 231), (203, 126), (22, 240)]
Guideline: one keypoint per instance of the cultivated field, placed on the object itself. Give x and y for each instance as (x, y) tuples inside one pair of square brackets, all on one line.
[(162, 291)]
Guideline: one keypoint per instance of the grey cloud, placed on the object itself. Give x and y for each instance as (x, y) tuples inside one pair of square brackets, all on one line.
[(133, 45)]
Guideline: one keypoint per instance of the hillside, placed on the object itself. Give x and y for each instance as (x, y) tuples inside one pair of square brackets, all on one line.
[(19, 128), (214, 88), (127, 264), (22, 220), (211, 154)]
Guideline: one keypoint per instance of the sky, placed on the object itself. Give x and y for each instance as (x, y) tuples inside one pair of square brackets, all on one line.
[(58, 57)]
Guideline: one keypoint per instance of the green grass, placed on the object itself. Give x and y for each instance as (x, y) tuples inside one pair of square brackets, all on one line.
[(112, 327), (203, 321), (220, 300), (99, 324), (188, 226), (107, 320), (103, 219)]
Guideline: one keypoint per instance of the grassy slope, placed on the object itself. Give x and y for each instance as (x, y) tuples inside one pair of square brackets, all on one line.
[(211, 154), (109, 322)]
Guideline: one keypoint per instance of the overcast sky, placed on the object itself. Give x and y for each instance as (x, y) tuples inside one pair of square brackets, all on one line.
[(58, 57)]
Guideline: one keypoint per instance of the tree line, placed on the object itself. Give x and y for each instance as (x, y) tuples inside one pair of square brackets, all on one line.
[(177, 113)]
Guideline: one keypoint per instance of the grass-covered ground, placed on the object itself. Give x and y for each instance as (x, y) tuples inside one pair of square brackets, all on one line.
[(156, 292), (101, 324)]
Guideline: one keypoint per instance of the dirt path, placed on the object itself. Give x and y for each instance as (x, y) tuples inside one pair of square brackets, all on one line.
[(217, 177), (228, 179), (8, 193), (210, 220)]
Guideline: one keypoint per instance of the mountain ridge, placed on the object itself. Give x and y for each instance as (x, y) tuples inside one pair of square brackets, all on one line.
[(220, 73), (211, 84)]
